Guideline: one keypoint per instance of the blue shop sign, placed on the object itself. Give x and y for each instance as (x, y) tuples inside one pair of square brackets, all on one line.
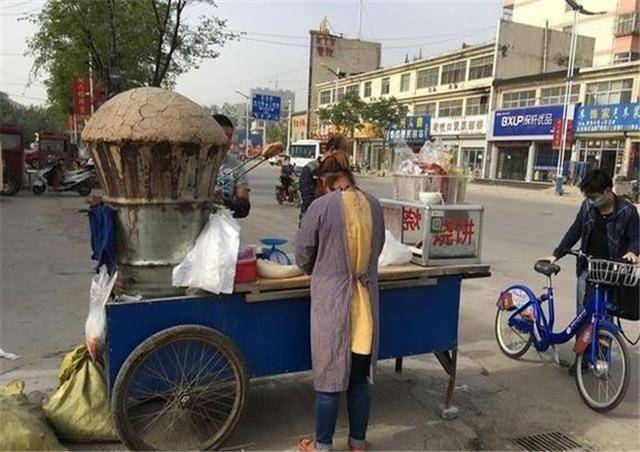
[(531, 121), (266, 107), (414, 131), (608, 118)]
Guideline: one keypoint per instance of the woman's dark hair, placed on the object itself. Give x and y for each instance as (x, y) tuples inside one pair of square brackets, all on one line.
[(338, 143), (223, 120), (596, 181), (335, 166)]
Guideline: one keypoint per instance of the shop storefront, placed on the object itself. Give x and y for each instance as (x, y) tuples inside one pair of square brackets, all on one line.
[(521, 144), (608, 137), (466, 137)]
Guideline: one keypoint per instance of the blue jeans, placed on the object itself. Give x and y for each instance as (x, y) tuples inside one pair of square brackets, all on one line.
[(358, 403)]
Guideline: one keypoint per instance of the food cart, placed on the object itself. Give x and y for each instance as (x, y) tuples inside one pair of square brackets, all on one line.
[(179, 367)]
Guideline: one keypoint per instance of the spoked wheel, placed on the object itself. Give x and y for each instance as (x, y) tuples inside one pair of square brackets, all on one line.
[(513, 342), (603, 385), (182, 389)]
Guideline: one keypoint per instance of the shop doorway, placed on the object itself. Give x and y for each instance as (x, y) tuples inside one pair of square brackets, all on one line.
[(512, 163), (603, 154), (471, 162)]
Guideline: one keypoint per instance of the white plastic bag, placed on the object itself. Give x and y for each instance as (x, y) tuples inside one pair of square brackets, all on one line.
[(393, 252), (95, 328), (211, 263)]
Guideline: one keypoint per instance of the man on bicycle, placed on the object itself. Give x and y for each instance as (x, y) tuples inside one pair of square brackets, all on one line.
[(287, 172), (606, 225)]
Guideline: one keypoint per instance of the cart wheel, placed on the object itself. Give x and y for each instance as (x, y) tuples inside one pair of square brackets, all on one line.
[(184, 388)]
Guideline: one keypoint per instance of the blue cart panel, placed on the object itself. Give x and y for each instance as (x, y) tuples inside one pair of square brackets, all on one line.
[(273, 336)]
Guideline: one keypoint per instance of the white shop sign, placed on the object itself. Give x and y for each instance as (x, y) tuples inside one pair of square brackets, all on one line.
[(459, 125)]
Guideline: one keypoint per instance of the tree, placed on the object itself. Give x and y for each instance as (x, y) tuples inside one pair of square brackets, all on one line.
[(382, 113), (236, 112), (346, 114), (32, 118), (277, 131), (128, 43)]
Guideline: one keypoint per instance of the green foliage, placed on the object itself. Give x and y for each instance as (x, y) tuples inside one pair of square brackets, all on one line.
[(352, 113), (277, 132), (383, 112), (128, 43), (32, 118), (346, 114)]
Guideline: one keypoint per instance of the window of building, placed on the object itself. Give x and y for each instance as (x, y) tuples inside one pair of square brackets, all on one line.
[(339, 94), (386, 86), (405, 82), (367, 89), (609, 92), (428, 77), (507, 13), (555, 95), (353, 89), (477, 105), (516, 99), (425, 109), (453, 73), (450, 108), (628, 23), (481, 67), (325, 97), (626, 57)]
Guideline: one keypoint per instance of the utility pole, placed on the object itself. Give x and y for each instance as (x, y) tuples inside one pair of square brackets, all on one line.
[(91, 83), (289, 127), (577, 10), (360, 20), (248, 119)]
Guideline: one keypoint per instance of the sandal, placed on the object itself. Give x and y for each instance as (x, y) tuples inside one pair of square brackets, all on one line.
[(306, 445)]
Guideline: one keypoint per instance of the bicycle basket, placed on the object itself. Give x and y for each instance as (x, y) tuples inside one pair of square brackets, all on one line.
[(601, 271)]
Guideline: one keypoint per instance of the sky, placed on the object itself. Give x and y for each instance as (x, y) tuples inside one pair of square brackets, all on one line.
[(275, 48)]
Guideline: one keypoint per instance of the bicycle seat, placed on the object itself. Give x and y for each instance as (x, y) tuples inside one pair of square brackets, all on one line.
[(546, 268)]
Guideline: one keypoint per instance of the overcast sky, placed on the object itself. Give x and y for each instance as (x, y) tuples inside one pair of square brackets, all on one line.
[(276, 44)]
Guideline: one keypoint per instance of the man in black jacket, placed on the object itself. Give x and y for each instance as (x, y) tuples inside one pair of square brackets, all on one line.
[(607, 226), (308, 176)]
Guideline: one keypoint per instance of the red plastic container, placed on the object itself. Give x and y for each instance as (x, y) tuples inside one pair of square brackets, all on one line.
[(247, 266)]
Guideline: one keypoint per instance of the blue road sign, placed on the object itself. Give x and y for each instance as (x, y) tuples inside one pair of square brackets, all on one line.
[(266, 107)]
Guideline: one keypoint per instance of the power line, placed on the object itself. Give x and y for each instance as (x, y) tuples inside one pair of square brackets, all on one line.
[(411, 46)]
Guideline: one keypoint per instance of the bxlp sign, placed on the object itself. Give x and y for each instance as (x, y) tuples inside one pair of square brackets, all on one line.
[(530, 121), (527, 120)]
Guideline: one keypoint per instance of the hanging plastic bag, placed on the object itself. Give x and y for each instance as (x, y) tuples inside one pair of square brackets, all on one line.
[(95, 328), (211, 263), (393, 252), (79, 410)]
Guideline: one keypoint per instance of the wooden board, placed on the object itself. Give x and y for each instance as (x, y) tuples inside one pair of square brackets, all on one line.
[(385, 274)]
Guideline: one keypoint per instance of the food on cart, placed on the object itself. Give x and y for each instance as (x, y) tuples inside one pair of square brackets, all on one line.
[(274, 270)]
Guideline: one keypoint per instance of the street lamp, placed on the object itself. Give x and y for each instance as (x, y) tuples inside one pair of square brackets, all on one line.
[(246, 138), (577, 10)]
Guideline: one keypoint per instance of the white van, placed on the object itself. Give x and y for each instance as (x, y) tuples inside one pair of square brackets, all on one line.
[(304, 151)]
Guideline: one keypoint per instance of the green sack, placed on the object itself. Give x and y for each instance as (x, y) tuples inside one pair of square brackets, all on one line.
[(79, 409), (21, 427)]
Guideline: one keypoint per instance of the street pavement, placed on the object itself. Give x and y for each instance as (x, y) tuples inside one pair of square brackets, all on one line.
[(44, 285)]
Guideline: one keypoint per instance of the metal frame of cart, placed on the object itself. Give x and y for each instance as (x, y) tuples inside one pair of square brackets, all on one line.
[(179, 368)]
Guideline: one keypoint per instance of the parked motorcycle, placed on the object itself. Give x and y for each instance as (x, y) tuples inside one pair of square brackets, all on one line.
[(56, 179), (290, 195)]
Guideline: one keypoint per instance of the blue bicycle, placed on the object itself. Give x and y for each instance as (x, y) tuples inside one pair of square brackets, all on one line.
[(602, 361)]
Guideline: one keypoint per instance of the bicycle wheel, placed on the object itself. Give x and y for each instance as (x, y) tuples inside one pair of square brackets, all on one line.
[(603, 386), (512, 342), (184, 388)]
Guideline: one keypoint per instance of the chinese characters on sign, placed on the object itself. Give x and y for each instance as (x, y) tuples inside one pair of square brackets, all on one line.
[(532, 121), (556, 142), (81, 97), (411, 219), (413, 131), (468, 125), (266, 107), (458, 232), (608, 118)]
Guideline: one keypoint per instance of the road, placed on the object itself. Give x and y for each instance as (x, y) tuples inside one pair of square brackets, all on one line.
[(45, 279)]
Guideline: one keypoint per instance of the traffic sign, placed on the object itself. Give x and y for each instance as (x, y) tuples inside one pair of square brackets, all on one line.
[(266, 107)]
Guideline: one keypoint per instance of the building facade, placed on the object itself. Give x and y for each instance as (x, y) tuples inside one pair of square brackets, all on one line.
[(606, 123), (298, 126), (616, 31), (332, 57)]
